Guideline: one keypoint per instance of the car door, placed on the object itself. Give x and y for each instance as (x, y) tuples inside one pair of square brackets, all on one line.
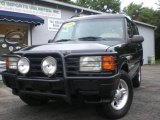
[(138, 45), (133, 49)]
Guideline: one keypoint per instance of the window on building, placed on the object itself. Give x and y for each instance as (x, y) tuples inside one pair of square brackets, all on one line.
[(12, 37)]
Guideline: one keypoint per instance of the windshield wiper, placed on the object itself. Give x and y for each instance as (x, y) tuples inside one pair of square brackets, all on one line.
[(90, 38), (64, 40)]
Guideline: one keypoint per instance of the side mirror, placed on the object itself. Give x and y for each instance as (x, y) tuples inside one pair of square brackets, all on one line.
[(137, 39), (50, 41)]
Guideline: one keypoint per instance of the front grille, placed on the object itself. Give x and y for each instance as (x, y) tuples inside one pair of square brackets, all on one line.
[(73, 70), (35, 66)]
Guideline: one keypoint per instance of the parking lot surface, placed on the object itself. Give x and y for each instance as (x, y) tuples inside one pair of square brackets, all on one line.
[(146, 104)]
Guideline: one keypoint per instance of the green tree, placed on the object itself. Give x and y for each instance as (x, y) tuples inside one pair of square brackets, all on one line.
[(158, 3), (101, 5), (143, 14), (133, 10), (147, 15)]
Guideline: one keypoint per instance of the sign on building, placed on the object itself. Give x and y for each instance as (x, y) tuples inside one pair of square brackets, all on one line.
[(54, 24), (29, 9)]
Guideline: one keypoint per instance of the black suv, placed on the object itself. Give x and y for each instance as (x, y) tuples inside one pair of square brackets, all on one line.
[(94, 59)]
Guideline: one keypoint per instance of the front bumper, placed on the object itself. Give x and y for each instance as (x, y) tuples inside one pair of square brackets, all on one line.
[(90, 89)]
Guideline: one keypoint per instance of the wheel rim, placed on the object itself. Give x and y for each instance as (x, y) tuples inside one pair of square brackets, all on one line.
[(121, 96)]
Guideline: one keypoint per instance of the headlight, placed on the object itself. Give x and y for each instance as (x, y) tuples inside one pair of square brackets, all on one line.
[(11, 62), (90, 63), (49, 66), (23, 65)]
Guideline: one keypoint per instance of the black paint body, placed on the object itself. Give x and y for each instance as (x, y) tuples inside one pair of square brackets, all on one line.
[(69, 83)]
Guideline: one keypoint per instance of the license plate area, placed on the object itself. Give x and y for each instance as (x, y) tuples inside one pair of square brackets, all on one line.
[(45, 87)]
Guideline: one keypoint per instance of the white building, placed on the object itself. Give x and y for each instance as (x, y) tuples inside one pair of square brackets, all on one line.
[(148, 32)]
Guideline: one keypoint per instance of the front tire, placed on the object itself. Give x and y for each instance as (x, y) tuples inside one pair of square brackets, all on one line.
[(122, 100), (33, 100)]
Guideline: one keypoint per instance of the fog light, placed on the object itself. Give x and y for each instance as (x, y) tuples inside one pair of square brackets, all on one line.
[(23, 65), (49, 66)]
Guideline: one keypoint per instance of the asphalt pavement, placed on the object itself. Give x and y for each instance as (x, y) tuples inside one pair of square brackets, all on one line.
[(146, 104)]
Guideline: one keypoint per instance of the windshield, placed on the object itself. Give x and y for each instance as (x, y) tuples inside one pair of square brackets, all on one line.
[(96, 30)]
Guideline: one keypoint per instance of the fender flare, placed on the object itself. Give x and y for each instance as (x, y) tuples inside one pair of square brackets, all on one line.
[(124, 63)]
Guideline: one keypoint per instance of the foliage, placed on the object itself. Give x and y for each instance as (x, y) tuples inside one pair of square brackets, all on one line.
[(111, 6), (147, 15), (101, 5), (133, 10), (158, 4)]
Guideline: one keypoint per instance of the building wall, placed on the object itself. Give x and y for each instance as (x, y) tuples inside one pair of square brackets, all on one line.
[(149, 42)]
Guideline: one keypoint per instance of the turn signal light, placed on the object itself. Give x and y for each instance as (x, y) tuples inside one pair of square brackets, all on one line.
[(108, 63)]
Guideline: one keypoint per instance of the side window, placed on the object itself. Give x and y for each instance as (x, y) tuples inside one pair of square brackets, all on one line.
[(132, 29), (135, 30)]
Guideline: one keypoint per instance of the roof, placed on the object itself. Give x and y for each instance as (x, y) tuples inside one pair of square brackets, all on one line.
[(71, 6), (98, 16), (145, 24), (20, 17), (110, 16), (104, 15)]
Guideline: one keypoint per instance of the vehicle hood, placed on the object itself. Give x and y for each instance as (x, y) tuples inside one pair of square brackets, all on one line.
[(69, 48)]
